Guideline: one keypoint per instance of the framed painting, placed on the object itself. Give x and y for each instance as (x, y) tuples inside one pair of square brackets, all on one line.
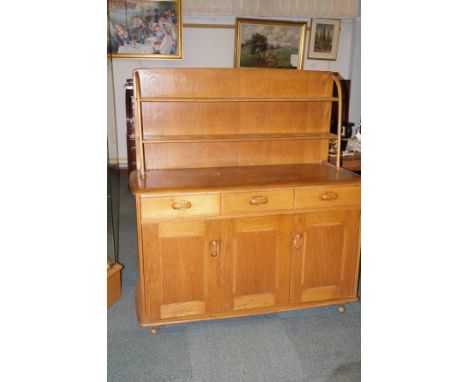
[(144, 29), (323, 39), (269, 44)]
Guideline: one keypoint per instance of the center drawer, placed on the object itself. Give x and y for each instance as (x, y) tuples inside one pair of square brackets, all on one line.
[(238, 202), (179, 206)]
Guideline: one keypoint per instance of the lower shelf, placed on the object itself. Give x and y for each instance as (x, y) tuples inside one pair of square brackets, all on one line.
[(244, 313)]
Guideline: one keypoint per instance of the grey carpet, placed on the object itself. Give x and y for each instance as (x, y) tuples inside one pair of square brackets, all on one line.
[(309, 345)]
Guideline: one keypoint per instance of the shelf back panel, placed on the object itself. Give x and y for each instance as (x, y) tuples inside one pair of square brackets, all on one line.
[(171, 118), (228, 154), (225, 83)]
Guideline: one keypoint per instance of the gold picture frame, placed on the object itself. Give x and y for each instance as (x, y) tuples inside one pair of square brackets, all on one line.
[(269, 43), (144, 29), (323, 39)]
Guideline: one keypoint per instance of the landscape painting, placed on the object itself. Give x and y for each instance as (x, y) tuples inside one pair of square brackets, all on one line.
[(269, 44), (144, 29)]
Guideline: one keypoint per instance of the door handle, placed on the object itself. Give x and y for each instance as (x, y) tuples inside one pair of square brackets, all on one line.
[(214, 248), (297, 240)]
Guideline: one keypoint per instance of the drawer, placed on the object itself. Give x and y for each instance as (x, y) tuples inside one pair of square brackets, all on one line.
[(256, 201), (179, 206), (323, 196)]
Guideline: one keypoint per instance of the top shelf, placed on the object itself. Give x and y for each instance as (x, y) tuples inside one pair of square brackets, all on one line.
[(239, 99), (232, 178)]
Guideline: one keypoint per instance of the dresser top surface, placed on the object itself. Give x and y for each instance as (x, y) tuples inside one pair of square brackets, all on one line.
[(240, 178)]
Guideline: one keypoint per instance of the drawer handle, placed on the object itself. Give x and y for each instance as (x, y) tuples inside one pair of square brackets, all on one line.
[(330, 195), (214, 248), (297, 242), (258, 200), (183, 204)]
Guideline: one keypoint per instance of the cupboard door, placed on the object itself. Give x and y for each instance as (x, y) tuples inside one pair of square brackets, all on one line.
[(255, 262), (325, 255), (181, 268)]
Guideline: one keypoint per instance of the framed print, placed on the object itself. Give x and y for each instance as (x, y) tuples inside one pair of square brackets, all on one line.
[(144, 29), (269, 44), (323, 39)]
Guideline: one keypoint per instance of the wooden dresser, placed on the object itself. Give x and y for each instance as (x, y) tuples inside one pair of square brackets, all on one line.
[(238, 210)]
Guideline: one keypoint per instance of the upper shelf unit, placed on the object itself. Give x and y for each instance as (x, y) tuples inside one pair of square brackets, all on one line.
[(222, 117)]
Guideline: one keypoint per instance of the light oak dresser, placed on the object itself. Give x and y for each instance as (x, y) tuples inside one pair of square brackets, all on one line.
[(238, 211)]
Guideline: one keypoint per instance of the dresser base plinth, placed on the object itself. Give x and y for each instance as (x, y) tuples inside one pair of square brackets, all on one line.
[(245, 313)]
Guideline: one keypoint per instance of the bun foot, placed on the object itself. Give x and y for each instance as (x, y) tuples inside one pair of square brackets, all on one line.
[(153, 330), (341, 308)]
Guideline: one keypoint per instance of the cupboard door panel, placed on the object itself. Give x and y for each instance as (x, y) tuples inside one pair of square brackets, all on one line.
[(324, 260), (255, 262), (323, 245), (183, 275)]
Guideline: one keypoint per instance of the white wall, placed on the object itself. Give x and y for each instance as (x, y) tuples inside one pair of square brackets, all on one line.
[(214, 48), (355, 96), (113, 147)]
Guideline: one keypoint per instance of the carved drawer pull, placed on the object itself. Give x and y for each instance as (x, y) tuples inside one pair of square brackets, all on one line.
[(297, 241), (214, 248), (258, 200), (330, 195), (183, 204)]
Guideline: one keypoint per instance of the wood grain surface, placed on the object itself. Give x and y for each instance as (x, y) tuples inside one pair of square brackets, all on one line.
[(238, 210)]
